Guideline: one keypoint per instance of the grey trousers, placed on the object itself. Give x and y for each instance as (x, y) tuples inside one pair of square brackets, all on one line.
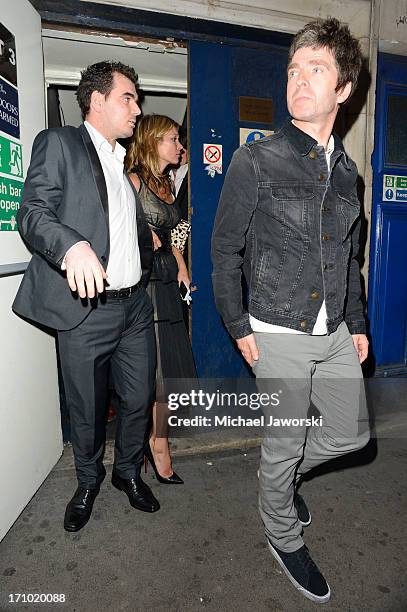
[(324, 370)]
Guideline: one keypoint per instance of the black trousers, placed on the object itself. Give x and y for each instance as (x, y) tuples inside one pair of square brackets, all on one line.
[(116, 339)]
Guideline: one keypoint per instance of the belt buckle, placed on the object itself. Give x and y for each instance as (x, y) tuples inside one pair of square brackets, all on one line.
[(125, 293)]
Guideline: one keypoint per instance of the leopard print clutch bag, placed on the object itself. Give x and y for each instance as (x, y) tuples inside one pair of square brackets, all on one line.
[(179, 235)]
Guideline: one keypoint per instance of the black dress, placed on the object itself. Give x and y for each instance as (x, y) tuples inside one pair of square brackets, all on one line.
[(174, 353)]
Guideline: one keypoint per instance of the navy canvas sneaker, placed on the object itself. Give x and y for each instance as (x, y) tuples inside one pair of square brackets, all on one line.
[(304, 515), (303, 573)]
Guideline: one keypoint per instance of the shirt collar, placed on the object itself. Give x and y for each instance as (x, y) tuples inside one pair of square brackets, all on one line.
[(101, 143), (303, 142), (330, 146)]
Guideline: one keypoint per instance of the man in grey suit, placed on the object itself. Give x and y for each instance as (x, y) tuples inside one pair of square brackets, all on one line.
[(87, 277)]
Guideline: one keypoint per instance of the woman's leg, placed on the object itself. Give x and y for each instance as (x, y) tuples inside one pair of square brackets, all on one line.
[(159, 440)]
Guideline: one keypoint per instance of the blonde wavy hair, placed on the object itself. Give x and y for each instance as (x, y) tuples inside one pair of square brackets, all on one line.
[(142, 154)]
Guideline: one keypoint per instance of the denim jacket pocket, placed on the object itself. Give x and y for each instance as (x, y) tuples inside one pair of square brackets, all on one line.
[(284, 213), (348, 209), (292, 206)]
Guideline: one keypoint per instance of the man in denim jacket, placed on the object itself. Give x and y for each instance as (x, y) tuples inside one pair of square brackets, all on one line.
[(289, 216)]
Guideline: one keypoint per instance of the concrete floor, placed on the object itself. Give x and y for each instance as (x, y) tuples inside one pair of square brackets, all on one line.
[(205, 548)]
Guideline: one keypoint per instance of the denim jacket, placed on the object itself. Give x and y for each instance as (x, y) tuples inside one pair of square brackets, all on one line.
[(292, 226)]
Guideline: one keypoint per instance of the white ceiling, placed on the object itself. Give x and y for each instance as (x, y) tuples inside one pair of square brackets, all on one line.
[(161, 65)]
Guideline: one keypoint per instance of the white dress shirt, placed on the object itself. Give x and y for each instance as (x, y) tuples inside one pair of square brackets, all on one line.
[(124, 267), (178, 176), (320, 328)]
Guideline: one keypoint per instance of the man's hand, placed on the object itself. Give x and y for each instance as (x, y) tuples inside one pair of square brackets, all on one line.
[(84, 271), (361, 344), (248, 348)]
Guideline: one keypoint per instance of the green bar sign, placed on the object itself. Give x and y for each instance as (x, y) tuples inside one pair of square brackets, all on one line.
[(11, 160), (10, 200), (401, 182), (394, 181)]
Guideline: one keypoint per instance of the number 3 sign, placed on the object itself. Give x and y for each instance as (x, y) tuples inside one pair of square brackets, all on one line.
[(8, 62)]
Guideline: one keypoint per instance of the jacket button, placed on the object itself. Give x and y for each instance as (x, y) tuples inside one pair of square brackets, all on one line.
[(324, 208), (321, 177), (313, 154), (303, 325), (315, 295), (325, 237), (325, 266), (103, 258)]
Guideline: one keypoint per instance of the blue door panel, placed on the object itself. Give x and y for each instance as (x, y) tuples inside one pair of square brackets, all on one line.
[(218, 75), (392, 283), (387, 303)]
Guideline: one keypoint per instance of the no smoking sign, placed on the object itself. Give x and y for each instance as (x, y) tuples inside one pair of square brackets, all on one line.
[(212, 154)]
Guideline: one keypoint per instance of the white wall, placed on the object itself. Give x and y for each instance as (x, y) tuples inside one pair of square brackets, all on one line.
[(30, 437), (393, 26)]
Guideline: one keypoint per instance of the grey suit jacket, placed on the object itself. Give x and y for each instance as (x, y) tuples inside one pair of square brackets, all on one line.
[(64, 201)]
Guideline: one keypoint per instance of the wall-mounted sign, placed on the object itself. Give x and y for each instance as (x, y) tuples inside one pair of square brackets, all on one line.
[(212, 154), (256, 110), (394, 188), (10, 200), (9, 111), (212, 158), (11, 159), (8, 61), (251, 134)]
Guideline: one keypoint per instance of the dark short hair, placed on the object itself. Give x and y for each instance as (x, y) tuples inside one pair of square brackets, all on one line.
[(335, 36), (183, 137), (99, 77)]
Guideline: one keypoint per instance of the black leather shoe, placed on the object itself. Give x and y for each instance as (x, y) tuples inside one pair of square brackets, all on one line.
[(139, 494), (79, 509), (173, 479)]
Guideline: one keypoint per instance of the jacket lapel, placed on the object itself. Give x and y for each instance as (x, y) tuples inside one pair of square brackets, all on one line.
[(139, 208), (97, 171)]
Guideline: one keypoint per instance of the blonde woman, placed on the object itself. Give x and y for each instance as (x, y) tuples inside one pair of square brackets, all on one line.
[(155, 146)]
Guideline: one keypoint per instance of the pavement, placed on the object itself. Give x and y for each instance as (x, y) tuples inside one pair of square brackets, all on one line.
[(205, 549)]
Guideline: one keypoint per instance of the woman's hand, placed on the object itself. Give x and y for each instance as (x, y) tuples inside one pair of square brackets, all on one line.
[(156, 241), (183, 275)]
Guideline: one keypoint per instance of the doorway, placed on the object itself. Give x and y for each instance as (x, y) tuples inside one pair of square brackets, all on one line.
[(162, 69), (161, 66)]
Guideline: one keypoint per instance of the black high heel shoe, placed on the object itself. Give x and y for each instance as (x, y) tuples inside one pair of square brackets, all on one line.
[(173, 479)]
